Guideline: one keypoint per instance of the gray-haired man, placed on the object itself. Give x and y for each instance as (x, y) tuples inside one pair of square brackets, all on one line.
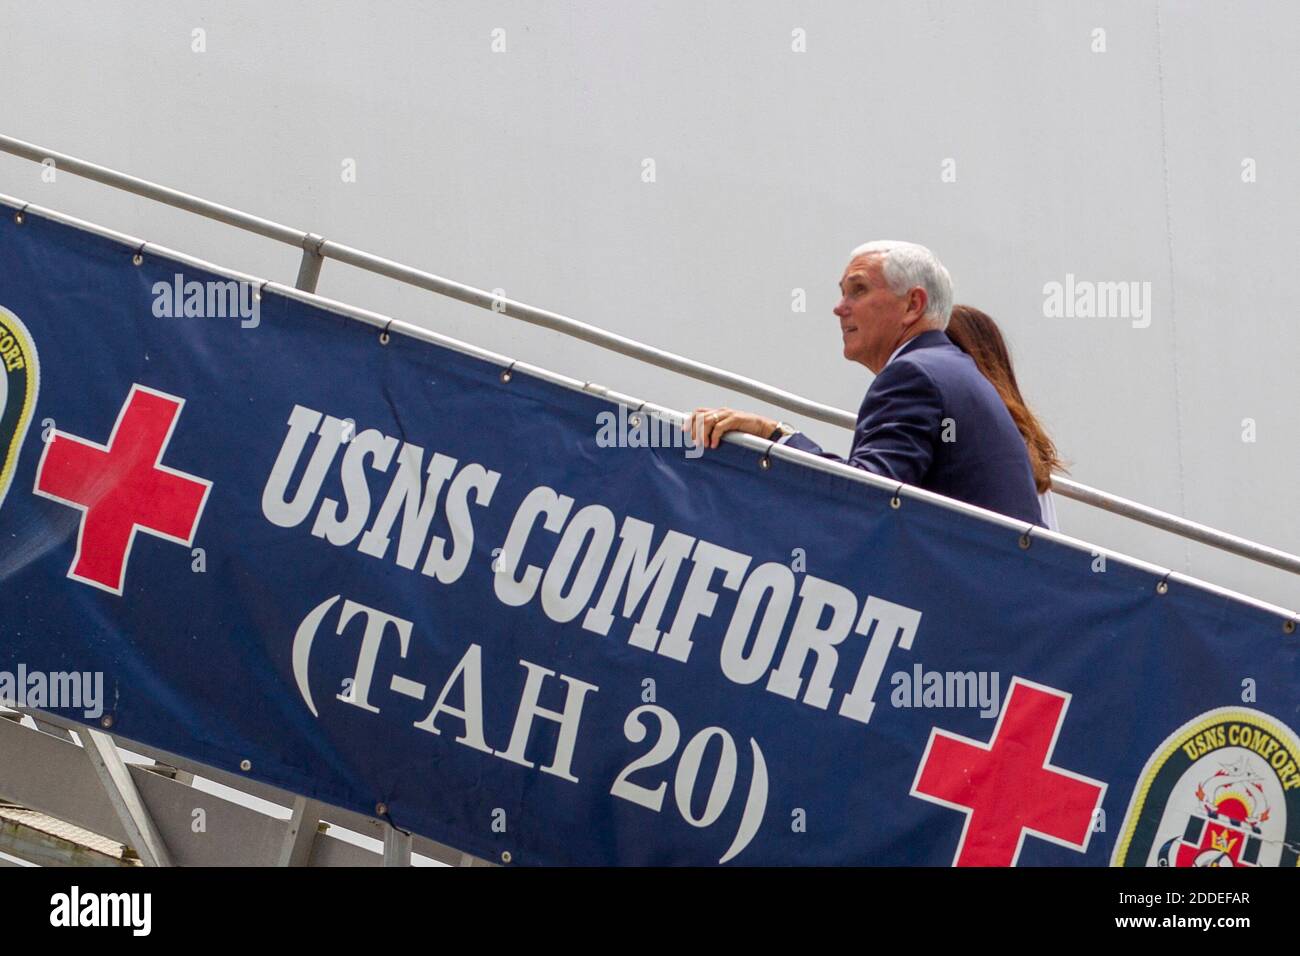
[(930, 418)]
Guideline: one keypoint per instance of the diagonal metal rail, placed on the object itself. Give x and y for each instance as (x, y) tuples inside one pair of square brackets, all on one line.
[(316, 249)]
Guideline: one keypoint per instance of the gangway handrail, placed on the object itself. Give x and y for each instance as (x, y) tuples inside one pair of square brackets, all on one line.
[(316, 248), (767, 449)]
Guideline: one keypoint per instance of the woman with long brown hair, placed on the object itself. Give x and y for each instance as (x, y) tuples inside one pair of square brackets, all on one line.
[(978, 336)]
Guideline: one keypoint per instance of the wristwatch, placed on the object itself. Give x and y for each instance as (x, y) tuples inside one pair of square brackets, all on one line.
[(782, 432)]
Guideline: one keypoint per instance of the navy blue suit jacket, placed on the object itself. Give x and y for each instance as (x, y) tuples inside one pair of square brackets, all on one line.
[(930, 390)]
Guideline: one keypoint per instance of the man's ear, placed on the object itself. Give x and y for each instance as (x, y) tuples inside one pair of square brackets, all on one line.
[(917, 303)]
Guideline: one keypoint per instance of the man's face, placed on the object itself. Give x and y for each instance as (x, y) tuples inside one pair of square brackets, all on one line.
[(873, 320)]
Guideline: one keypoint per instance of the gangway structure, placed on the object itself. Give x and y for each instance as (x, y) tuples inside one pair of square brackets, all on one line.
[(72, 795)]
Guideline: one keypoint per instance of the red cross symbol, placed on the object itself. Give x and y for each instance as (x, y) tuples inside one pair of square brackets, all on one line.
[(1008, 787), (121, 488)]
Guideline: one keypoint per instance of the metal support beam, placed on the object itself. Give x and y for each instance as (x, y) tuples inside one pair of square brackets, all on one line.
[(397, 847), (301, 833), (144, 837)]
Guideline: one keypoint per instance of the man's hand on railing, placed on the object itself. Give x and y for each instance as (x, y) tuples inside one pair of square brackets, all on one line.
[(707, 425)]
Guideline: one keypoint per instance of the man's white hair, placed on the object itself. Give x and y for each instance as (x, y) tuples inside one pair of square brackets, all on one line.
[(907, 265)]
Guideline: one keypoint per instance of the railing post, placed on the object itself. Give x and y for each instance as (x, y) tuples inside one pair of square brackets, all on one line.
[(397, 846), (312, 260), (300, 833)]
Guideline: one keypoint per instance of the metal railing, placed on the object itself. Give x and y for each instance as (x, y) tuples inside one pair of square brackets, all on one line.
[(316, 249)]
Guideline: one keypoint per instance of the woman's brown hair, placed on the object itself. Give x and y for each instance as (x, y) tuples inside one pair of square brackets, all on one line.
[(979, 337)]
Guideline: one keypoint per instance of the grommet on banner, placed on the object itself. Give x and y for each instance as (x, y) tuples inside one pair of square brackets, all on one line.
[(1162, 586), (1288, 627), (381, 809), (635, 418), (245, 764), (505, 856), (383, 336), (506, 373), (1024, 538), (138, 258), (896, 502), (766, 462), (20, 216)]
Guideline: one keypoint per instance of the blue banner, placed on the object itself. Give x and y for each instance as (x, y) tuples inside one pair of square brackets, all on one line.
[(534, 625)]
